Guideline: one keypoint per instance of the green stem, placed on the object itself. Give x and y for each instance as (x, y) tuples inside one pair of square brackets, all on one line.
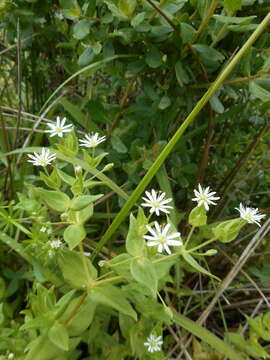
[(168, 148), (202, 245), (189, 235)]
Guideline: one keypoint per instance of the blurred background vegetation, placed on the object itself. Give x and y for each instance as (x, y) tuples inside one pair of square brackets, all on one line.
[(135, 70)]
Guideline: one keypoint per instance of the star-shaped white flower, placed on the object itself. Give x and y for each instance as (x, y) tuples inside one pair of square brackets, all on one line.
[(155, 200), (153, 343), (55, 244), (161, 238), (42, 159), (59, 128), (250, 214), (205, 197), (92, 140)]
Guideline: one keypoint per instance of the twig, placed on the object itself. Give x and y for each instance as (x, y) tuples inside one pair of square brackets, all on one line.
[(162, 14)]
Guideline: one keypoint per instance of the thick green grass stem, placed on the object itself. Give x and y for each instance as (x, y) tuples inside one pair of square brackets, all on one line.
[(166, 151)]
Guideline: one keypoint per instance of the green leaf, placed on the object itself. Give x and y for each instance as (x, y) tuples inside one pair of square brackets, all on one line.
[(233, 5), (91, 7), (86, 56), (118, 144), (260, 89), (81, 29), (207, 53), (65, 177), (40, 322), (191, 261), (59, 336), (83, 317), (114, 297), (73, 235), (206, 336), (80, 202), (234, 20), (135, 240), (57, 200), (144, 272), (203, 7), (165, 102), (216, 104), (188, 33), (181, 74), (127, 7), (53, 180), (121, 265), (115, 11), (71, 265), (228, 230), (153, 57), (138, 19), (197, 216), (80, 217)]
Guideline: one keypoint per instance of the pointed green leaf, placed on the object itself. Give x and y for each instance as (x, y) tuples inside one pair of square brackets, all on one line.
[(112, 296), (191, 261), (73, 235), (144, 272), (59, 336), (197, 216)]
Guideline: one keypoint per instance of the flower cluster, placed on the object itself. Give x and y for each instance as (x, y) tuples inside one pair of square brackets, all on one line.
[(157, 203), (45, 158)]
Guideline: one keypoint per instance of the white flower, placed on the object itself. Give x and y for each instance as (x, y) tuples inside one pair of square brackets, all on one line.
[(161, 239), (45, 230), (10, 356), (205, 197), (59, 128), (92, 140), (55, 244), (42, 159), (250, 214), (153, 343), (155, 200)]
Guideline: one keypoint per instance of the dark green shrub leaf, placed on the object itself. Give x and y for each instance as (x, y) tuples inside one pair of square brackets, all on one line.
[(86, 56), (118, 144), (81, 29), (127, 7), (181, 74), (188, 33), (153, 57), (138, 19), (233, 5)]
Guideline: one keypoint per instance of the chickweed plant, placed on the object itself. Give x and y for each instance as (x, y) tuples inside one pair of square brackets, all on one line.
[(118, 307)]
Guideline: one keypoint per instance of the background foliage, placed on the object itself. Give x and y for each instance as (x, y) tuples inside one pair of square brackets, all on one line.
[(152, 62)]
